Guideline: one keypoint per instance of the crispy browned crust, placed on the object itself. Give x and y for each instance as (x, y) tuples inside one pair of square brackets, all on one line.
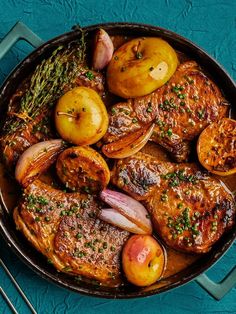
[(182, 108), (190, 210), (64, 228)]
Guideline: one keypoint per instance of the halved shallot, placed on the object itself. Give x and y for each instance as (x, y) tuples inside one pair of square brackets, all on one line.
[(127, 213), (103, 50), (113, 217), (36, 159), (128, 145)]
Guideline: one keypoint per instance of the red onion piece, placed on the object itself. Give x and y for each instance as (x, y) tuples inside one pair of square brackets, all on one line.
[(131, 209), (103, 50), (130, 144), (36, 159), (113, 217)]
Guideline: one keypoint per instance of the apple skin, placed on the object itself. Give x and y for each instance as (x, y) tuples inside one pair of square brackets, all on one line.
[(81, 117), (130, 75), (143, 260)]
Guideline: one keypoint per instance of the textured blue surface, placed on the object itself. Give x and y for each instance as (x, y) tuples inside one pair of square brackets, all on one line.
[(212, 25)]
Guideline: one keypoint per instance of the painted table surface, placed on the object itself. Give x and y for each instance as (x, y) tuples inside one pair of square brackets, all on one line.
[(212, 25)]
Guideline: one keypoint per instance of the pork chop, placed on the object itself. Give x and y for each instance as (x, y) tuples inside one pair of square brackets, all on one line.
[(189, 209), (180, 109), (64, 227)]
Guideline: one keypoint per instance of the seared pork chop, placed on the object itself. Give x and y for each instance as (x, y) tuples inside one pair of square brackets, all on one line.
[(189, 209), (64, 227), (180, 109)]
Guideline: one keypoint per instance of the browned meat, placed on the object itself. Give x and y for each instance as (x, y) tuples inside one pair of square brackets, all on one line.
[(91, 79), (63, 227), (181, 109), (190, 210), (13, 144)]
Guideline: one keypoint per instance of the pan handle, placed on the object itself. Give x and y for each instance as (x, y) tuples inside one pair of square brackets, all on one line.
[(18, 32), (218, 290)]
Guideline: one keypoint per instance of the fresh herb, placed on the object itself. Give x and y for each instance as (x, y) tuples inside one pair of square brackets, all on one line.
[(113, 111), (78, 253), (149, 108), (176, 89), (181, 96), (48, 83), (201, 113), (79, 235), (188, 79), (169, 132), (175, 178), (89, 75), (164, 197), (42, 201), (168, 105)]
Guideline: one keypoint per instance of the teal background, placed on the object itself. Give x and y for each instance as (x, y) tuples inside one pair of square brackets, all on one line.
[(210, 24)]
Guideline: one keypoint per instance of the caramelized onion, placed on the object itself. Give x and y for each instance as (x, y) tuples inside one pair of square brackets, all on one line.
[(103, 50), (131, 209), (36, 159), (128, 145), (115, 218)]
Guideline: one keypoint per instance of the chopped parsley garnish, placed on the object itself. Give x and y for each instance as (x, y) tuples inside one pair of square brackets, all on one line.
[(89, 75), (169, 132)]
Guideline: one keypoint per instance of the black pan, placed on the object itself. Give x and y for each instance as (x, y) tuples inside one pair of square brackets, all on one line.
[(16, 240)]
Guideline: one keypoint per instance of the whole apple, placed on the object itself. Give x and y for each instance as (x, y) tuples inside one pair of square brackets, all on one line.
[(81, 117), (143, 260), (140, 66)]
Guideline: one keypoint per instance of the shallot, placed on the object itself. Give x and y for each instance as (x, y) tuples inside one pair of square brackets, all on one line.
[(128, 145), (127, 207), (113, 217), (103, 50), (36, 159)]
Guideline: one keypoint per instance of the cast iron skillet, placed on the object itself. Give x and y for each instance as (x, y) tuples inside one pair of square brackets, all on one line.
[(16, 240)]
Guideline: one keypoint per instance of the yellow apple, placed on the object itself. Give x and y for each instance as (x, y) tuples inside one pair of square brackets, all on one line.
[(81, 117), (140, 66), (143, 260)]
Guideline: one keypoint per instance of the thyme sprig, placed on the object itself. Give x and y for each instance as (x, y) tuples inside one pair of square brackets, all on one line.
[(48, 82)]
